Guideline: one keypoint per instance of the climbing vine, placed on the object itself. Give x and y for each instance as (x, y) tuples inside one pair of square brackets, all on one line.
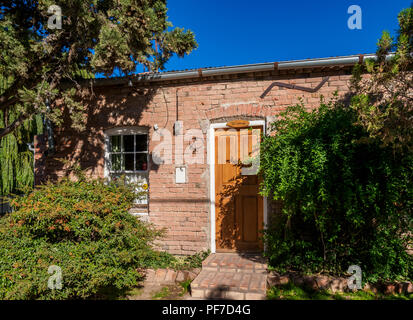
[(346, 200)]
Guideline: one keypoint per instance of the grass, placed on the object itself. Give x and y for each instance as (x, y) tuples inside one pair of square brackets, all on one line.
[(172, 292), (185, 286), (290, 291), (165, 292), (138, 291)]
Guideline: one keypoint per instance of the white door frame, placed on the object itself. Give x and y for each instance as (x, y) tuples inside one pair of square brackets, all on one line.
[(211, 147)]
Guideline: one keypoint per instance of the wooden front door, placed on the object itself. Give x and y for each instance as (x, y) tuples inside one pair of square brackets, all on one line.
[(238, 206)]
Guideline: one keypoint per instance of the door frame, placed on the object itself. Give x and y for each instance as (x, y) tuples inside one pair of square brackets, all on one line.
[(211, 158)]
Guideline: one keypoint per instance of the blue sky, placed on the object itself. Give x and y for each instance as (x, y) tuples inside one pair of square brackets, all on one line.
[(232, 32)]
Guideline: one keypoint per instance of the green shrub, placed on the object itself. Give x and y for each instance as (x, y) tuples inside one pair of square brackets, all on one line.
[(82, 227), (346, 200)]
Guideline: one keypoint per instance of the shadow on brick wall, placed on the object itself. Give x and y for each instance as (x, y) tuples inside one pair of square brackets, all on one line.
[(105, 108)]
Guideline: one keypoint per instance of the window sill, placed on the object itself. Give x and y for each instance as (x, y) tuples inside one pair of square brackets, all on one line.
[(139, 211), (139, 214), (122, 172)]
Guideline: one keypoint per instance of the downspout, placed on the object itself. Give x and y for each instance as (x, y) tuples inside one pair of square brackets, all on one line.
[(31, 148), (49, 130)]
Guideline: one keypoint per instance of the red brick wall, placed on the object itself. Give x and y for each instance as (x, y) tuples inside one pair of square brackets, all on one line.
[(183, 209)]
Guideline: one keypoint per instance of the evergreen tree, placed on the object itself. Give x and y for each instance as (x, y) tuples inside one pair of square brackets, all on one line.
[(38, 58), (96, 36), (16, 159), (384, 99)]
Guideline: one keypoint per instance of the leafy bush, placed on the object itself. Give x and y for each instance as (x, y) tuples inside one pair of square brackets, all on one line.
[(345, 200), (82, 227)]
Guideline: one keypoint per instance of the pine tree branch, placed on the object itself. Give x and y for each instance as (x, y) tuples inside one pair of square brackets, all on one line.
[(16, 123)]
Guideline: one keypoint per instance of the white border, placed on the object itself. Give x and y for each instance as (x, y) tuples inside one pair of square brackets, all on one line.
[(211, 147)]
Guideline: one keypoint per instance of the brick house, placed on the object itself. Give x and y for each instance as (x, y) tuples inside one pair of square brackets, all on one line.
[(204, 203)]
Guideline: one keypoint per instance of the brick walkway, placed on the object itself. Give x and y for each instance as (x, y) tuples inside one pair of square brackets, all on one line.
[(231, 276)]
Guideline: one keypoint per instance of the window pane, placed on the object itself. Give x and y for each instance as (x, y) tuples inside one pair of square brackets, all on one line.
[(115, 143), (141, 162), (129, 161), (116, 162), (142, 142), (128, 143)]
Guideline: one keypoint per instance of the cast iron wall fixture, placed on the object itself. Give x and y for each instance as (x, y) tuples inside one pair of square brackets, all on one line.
[(293, 86)]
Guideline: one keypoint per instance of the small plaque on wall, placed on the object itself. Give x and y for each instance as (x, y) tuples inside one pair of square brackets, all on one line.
[(238, 123), (180, 175)]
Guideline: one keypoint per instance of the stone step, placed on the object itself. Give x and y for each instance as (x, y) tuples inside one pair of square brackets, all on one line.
[(197, 294), (229, 285), (231, 276), (235, 262)]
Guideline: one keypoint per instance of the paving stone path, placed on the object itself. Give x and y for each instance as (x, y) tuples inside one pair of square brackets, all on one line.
[(231, 276)]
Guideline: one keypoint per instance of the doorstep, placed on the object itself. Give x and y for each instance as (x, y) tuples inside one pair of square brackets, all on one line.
[(231, 276)]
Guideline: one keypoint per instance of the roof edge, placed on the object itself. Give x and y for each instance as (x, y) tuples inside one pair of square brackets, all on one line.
[(247, 68)]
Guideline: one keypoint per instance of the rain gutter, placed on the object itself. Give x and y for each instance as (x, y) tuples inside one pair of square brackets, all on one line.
[(260, 67)]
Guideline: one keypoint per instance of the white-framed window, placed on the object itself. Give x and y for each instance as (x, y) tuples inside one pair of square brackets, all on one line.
[(126, 154)]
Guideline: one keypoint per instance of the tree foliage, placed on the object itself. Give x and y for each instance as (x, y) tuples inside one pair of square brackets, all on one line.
[(16, 160), (384, 99), (97, 36), (346, 201)]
